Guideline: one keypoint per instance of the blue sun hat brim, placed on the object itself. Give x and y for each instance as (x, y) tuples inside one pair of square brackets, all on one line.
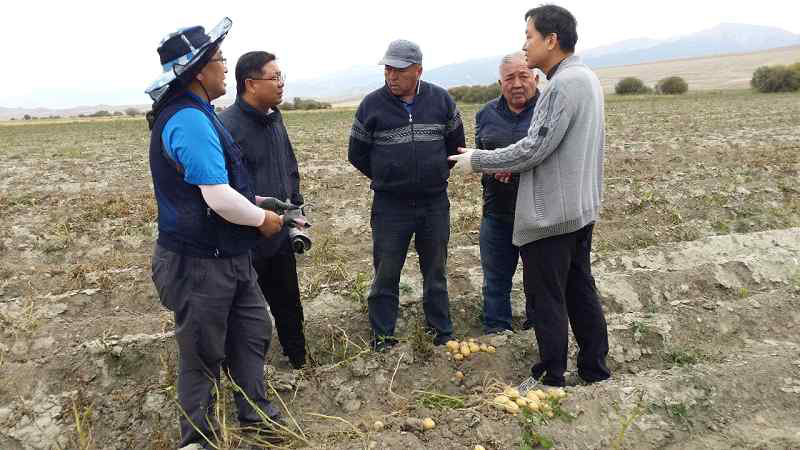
[(189, 55)]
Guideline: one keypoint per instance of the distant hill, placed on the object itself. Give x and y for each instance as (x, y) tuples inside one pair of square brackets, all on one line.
[(722, 39), (732, 71), (732, 50)]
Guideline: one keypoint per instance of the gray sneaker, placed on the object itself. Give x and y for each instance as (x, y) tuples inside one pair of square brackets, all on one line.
[(529, 384)]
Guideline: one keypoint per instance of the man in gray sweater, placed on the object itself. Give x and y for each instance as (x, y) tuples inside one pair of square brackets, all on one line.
[(560, 163)]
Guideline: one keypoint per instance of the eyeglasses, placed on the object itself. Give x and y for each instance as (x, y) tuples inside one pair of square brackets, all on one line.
[(222, 60), (280, 77)]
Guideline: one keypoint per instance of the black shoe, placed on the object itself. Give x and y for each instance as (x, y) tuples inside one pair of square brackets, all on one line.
[(442, 339), (383, 343), (573, 379), (297, 362)]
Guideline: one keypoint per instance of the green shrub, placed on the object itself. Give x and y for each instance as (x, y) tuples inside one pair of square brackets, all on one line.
[(631, 85), (776, 79), (304, 103), (672, 86), (475, 94)]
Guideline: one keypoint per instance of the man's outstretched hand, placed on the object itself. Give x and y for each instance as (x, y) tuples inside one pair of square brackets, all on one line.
[(463, 162)]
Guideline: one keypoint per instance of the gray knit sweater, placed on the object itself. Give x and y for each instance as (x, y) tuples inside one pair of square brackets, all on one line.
[(561, 159)]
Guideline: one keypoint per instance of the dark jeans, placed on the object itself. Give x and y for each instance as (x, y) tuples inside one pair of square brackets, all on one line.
[(393, 222), (558, 280), (499, 259), (277, 277), (221, 323)]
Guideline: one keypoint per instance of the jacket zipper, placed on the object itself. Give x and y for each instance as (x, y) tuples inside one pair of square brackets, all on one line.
[(414, 151)]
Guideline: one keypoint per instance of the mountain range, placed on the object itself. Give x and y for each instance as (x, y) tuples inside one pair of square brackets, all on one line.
[(353, 83), (724, 38)]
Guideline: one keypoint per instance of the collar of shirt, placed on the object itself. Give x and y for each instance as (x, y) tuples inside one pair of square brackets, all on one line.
[(553, 69), (203, 102)]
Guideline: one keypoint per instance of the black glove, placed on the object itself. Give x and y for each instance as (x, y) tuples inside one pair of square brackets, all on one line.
[(278, 206), (290, 216)]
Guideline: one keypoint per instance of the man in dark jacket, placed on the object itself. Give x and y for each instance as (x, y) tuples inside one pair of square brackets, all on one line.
[(401, 137), (257, 126), (502, 122), (207, 224)]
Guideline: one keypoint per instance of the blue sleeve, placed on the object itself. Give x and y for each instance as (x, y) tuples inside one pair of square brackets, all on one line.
[(191, 140)]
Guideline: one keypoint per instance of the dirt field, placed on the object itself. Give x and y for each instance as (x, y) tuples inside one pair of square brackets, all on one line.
[(697, 258)]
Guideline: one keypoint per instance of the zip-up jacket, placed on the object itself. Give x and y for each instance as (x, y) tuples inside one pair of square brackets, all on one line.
[(186, 224), (405, 154), (496, 126), (269, 158), (561, 158)]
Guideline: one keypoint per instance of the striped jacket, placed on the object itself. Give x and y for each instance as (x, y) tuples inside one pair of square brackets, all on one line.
[(406, 154)]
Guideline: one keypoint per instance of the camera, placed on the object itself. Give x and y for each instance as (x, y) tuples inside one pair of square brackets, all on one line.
[(301, 242)]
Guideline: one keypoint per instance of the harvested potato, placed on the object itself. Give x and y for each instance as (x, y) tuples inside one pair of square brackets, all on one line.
[(413, 424), (473, 347), (484, 348), (502, 399), (521, 401), (511, 392), (479, 447), (512, 407), (428, 424), (377, 426), (490, 349), (465, 351), (556, 393), (540, 393), (458, 357), (459, 375), (531, 395), (452, 346)]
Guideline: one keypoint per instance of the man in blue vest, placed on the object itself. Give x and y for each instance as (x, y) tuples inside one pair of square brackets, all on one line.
[(208, 222), (502, 122)]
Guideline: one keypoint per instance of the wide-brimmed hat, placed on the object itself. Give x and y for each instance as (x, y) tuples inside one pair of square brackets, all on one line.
[(185, 52), (401, 54)]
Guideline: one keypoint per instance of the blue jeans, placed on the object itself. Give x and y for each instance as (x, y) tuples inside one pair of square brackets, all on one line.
[(499, 259), (394, 221)]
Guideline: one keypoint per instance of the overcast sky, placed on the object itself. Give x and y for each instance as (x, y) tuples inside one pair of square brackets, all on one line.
[(64, 54)]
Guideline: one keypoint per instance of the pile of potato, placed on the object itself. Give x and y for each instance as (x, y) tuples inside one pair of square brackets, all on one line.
[(536, 400), (463, 349)]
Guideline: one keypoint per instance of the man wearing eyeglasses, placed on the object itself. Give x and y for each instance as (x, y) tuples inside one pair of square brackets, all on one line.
[(257, 126), (400, 139), (208, 222)]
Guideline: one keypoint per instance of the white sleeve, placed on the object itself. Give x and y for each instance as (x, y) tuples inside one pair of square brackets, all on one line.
[(231, 205)]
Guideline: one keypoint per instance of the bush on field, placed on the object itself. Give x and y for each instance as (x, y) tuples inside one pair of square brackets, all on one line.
[(776, 78), (101, 113), (475, 94), (305, 104), (631, 85), (672, 86), (132, 112)]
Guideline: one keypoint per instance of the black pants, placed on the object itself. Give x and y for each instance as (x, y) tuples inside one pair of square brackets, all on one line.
[(221, 323), (557, 276), (393, 222), (277, 277)]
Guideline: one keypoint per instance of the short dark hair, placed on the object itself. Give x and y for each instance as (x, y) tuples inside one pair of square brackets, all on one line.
[(555, 19), (249, 66)]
